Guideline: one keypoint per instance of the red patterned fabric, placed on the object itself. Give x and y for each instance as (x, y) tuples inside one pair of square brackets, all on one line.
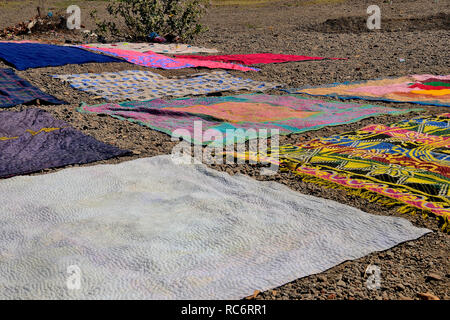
[(254, 58)]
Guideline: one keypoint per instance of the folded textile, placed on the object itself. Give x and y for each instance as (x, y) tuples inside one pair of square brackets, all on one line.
[(405, 163), (36, 55), (156, 60), (153, 229), (423, 89), (144, 85), (254, 58), (15, 90), (167, 48), (237, 118), (32, 140)]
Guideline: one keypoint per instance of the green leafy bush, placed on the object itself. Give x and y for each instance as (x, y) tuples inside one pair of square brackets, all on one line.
[(141, 17)]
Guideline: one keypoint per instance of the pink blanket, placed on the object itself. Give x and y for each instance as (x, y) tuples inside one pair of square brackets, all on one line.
[(156, 60), (253, 58)]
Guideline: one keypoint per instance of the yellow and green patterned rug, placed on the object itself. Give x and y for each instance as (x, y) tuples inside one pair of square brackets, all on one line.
[(406, 163)]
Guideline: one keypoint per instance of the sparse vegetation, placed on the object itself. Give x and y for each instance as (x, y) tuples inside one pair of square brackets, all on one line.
[(174, 18)]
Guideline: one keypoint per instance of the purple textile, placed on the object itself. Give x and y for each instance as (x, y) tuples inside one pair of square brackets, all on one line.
[(32, 140)]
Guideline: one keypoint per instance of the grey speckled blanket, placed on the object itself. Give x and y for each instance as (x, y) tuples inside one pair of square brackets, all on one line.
[(152, 229)]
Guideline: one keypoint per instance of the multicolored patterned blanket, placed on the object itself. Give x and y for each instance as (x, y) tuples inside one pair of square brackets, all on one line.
[(32, 140), (406, 163), (15, 90), (254, 58), (225, 115), (145, 85), (156, 60), (36, 55), (167, 48), (420, 88)]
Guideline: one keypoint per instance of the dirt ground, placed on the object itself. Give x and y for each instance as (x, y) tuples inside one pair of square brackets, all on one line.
[(416, 31)]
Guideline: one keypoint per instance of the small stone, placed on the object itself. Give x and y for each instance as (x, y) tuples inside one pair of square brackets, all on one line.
[(433, 276), (427, 296), (400, 287), (331, 296), (255, 294), (341, 283), (402, 297), (322, 278)]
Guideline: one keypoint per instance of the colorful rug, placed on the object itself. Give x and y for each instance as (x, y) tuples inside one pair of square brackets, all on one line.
[(37, 55), (166, 48), (406, 163), (423, 89), (15, 90), (225, 115), (254, 58), (32, 140), (156, 60), (145, 85), (153, 229)]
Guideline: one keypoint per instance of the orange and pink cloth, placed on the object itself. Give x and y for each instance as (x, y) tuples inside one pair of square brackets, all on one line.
[(423, 89), (222, 119)]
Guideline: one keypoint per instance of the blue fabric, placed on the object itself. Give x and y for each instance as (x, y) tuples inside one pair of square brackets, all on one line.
[(36, 55), (15, 90)]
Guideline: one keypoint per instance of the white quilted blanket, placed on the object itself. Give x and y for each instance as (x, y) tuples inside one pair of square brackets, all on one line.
[(152, 229)]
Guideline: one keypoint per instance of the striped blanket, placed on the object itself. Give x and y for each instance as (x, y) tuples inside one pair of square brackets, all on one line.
[(237, 118)]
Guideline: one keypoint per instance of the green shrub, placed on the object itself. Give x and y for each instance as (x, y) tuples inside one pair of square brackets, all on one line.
[(141, 17)]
